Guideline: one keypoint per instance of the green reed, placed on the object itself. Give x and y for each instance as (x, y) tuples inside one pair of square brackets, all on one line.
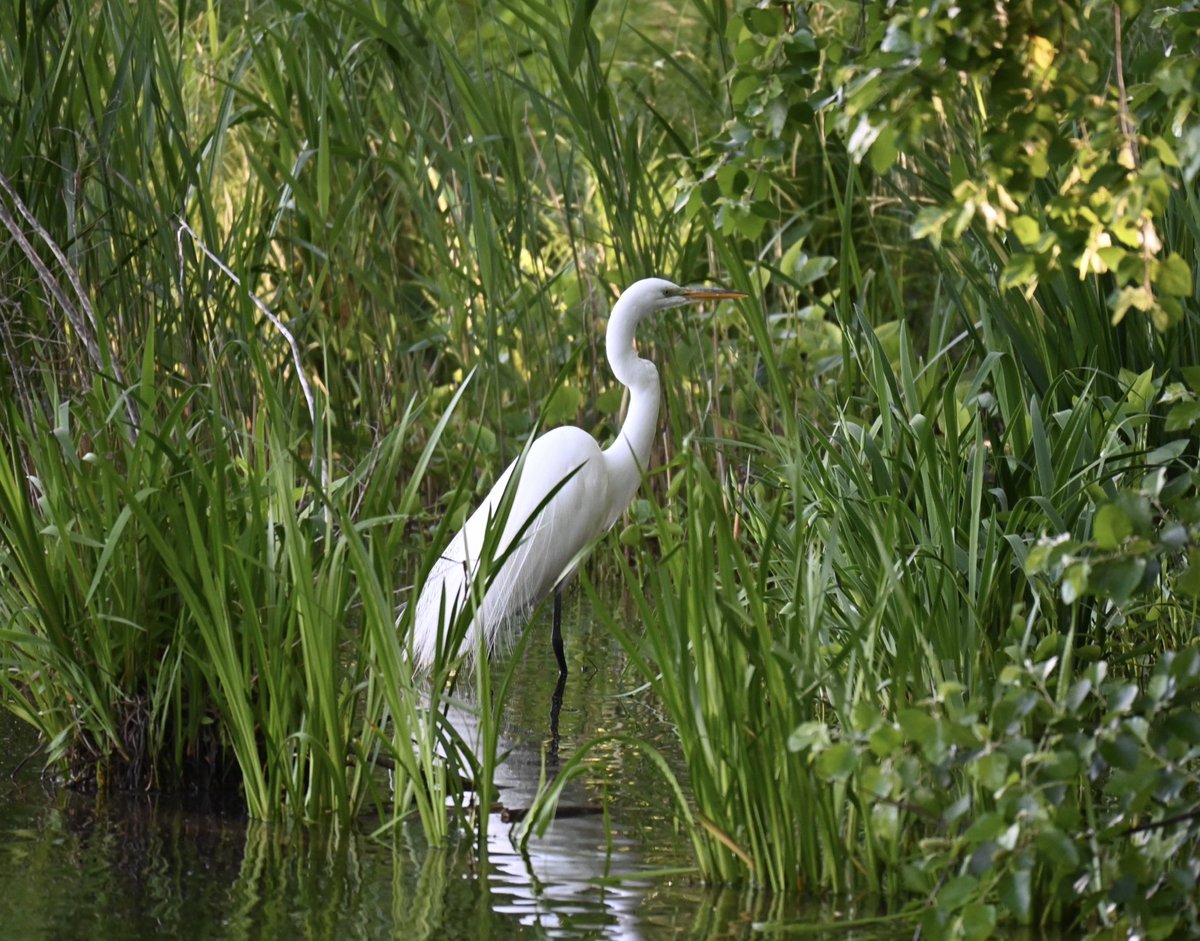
[(913, 540)]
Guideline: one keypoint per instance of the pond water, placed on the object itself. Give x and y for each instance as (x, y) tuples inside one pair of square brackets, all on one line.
[(144, 866)]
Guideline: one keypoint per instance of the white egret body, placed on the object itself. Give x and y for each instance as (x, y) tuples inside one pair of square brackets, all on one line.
[(594, 488)]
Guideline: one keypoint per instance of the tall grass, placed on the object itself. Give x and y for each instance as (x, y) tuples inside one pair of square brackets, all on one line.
[(882, 686), (252, 259), (910, 641), (913, 540), (187, 613)]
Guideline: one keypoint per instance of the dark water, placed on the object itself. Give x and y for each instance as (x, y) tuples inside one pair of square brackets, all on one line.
[(134, 867)]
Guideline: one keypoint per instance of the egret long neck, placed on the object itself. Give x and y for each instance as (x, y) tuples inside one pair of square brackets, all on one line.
[(629, 455)]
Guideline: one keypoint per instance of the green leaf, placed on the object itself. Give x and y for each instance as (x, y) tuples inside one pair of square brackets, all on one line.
[(1189, 582), (1079, 692), (929, 223), (1140, 390), (1119, 697), (917, 725), (631, 535), (766, 21), (885, 740), (1183, 416), (1049, 553), (1137, 505), (1173, 276), (1047, 647), (1121, 752), (986, 828), (1020, 270), (1016, 893), (864, 716), (1173, 537), (990, 770), (110, 545), (1117, 578), (1184, 725), (1075, 581), (562, 406), (1111, 526), (883, 152), (1164, 151), (978, 921), (1060, 765), (1191, 375), (810, 269), (1138, 298), (323, 162), (1058, 847), (581, 31), (1184, 667), (809, 735), (1165, 454), (1026, 229), (957, 892), (837, 762), (925, 730)]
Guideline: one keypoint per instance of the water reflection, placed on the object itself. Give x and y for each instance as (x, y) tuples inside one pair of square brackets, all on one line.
[(555, 886), (587, 876), (598, 875), (133, 867)]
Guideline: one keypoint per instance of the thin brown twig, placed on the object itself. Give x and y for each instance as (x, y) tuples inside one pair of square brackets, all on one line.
[(321, 466), (1165, 822), (1125, 118)]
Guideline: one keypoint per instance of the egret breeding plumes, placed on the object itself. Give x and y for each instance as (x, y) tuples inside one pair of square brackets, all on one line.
[(566, 492)]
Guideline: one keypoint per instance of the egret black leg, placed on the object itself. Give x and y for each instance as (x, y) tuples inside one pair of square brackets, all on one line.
[(555, 708), (556, 640)]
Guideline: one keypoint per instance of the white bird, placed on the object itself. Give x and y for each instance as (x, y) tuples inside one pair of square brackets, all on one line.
[(552, 526)]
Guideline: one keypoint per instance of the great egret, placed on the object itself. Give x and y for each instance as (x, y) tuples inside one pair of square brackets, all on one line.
[(568, 492)]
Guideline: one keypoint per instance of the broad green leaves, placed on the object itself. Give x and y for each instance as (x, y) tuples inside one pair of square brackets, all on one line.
[(1074, 166), (1058, 129), (1021, 837)]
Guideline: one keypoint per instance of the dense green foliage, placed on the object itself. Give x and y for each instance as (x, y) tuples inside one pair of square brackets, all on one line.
[(917, 583)]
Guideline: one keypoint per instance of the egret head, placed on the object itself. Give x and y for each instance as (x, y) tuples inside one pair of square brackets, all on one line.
[(655, 294)]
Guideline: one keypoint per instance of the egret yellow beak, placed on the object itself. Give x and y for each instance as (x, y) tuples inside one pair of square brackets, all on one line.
[(714, 294)]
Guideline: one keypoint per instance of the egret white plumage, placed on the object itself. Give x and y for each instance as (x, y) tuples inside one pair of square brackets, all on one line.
[(552, 526)]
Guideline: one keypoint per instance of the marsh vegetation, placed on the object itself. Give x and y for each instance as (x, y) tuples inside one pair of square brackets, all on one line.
[(914, 576)]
